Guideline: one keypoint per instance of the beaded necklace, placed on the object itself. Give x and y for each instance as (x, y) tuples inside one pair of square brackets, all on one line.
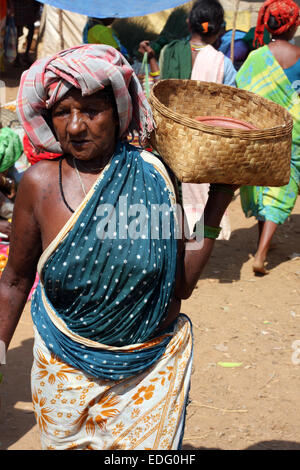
[(61, 186), (197, 47)]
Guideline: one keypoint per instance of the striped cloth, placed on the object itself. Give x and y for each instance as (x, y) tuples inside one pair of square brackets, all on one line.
[(90, 68)]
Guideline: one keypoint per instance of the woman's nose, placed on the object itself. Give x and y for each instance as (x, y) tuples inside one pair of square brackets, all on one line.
[(76, 123)]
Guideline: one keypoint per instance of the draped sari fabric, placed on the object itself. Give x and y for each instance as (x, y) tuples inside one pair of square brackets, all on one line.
[(101, 377), (106, 282), (75, 410), (262, 74)]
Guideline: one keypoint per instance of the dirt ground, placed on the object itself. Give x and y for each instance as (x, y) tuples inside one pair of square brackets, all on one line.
[(249, 323)]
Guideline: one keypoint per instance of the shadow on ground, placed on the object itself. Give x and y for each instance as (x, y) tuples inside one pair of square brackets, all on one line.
[(262, 445), (229, 257), (15, 393)]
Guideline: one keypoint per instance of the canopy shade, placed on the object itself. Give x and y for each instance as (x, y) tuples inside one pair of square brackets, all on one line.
[(114, 8)]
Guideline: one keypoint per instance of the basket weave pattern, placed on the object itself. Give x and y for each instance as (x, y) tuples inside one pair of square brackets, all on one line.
[(200, 153)]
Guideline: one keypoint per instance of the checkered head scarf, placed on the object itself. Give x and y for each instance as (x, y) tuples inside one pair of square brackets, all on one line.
[(89, 67), (286, 13)]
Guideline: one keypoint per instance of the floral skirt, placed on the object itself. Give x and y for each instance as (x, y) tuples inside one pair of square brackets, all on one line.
[(146, 412)]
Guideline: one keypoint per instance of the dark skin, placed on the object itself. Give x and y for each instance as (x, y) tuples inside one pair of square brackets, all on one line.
[(285, 53), (8, 188), (5, 227), (89, 135)]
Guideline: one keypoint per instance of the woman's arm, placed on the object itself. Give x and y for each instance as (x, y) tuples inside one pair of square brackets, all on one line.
[(154, 66), (25, 250), (191, 262)]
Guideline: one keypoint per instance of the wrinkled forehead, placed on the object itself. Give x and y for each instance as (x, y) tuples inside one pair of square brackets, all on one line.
[(105, 95)]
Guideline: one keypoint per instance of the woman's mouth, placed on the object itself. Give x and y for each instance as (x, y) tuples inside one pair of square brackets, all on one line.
[(79, 143)]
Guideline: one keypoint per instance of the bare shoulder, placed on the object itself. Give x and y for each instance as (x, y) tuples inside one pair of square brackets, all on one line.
[(286, 54), (293, 50), (296, 50), (41, 170), (39, 176)]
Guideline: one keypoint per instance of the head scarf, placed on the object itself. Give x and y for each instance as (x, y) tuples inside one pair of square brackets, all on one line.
[(286, 13), (10, 148), (32, 155), (89, 68)]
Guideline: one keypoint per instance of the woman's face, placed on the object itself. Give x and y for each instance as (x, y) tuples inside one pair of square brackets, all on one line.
[(85, 126)]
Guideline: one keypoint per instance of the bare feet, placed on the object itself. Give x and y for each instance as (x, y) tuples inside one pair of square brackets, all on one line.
[(258, 266)]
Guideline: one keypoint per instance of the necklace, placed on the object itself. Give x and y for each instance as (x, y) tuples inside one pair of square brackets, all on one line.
[(89, 169), (61, 186), (197, 47), (79, 177)]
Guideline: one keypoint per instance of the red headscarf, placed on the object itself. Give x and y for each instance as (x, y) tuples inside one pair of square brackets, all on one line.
[(32, 155), (286, 13)]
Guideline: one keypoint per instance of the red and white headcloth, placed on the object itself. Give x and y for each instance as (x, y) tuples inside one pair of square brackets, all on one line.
[(89, 67)]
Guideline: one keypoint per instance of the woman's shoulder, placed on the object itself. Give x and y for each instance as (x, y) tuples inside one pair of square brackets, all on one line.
[(148, 155), (39, 174), (156, 161), (285, 53)]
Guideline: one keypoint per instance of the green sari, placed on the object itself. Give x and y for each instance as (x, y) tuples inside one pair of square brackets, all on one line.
[(262, 74)]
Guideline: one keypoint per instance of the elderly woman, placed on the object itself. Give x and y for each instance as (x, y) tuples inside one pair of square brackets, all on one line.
[(112, 354)]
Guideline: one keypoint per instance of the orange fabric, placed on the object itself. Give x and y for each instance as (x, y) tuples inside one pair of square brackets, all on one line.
[(32, 155), (205, 27)]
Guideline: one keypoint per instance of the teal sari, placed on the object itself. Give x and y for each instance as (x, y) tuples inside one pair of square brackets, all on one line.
[(108, 277)]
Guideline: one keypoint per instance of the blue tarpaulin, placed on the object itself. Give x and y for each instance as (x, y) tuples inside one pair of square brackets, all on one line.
[(114, 8)]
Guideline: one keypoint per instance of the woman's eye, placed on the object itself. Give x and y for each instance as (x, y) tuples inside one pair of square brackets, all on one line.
[(60, 112), (92, 112)]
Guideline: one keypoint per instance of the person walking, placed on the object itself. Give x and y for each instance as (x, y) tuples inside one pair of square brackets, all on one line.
[(272, 71)]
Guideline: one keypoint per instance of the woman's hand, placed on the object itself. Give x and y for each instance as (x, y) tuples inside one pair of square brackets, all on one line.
[(8, 186), (5, 227), (144, 46), (11, 193)]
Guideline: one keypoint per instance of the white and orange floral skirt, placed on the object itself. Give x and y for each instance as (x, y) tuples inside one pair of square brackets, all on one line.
[(146, 412)]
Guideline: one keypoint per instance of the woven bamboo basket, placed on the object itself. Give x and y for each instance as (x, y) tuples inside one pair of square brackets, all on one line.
[(201, 153)]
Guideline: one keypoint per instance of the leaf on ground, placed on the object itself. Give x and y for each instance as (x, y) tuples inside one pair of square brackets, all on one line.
[(230, 364)]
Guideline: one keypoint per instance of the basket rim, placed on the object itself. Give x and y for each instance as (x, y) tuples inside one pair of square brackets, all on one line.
[(258, 134)]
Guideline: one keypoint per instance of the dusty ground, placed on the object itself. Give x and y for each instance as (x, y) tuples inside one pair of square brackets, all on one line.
[(253, 322)]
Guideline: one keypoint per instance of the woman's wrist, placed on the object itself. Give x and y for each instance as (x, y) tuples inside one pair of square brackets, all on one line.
[(154, 67), (219, 198), (155, 74), (221, 188)]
